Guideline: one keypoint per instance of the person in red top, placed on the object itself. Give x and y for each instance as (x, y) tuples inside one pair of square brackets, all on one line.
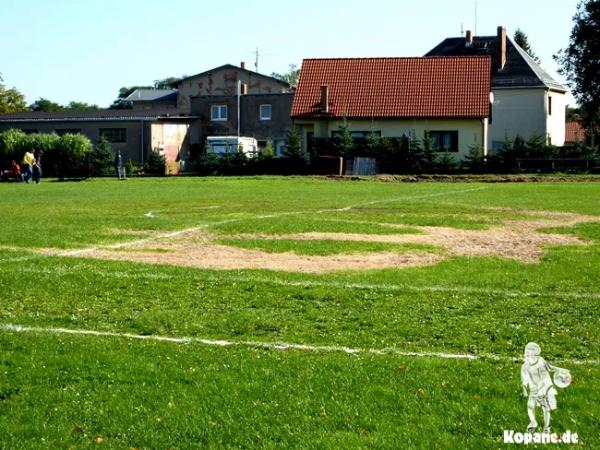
[(13, 172)]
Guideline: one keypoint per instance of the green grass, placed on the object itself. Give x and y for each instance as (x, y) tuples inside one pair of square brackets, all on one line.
[(65, 391)]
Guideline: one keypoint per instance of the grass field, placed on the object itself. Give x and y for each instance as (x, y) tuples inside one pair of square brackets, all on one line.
[(292, 312)]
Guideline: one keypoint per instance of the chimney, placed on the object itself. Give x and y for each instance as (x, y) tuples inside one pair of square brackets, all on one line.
[(243, 65), (469, 39), (501, 47), (324, 98)]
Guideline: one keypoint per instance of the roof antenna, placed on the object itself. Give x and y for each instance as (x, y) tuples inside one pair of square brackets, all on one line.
[(462, 29), (475, 31), (256, 60)]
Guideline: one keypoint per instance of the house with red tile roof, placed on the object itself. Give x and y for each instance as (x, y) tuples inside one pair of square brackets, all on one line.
[(574, 133), (447, 97)]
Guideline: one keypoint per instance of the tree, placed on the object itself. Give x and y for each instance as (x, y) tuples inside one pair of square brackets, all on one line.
[(124, 92), (293, 148), (291, 76), (101, 158), (522, 41), (580, 61), (156, 164), (11, 100), (81, 106), (167, 83), (43, 104), (346, 141)]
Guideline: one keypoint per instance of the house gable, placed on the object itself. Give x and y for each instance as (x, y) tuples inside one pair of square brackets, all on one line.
[(223, 80)]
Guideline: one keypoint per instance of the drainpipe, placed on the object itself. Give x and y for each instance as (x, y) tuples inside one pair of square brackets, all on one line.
[(142, 141), (239, 93)]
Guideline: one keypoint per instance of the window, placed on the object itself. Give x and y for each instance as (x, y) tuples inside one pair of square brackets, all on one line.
[(549, 105), (114, 135), (265, 112), (64, 131), (218, 112), (444, 141)]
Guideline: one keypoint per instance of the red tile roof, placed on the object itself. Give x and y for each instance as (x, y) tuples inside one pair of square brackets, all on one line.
[(574, 132), (429, 87)]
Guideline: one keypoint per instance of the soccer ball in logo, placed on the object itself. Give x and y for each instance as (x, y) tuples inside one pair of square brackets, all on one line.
[(562, 378)]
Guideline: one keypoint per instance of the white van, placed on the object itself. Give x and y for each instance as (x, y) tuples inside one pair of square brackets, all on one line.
[(232, 144)]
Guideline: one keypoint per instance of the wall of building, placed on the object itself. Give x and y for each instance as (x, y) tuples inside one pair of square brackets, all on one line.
[(170, 139), (275, 129), (470, 131), (518, 112), (224, 82), (556, 120)]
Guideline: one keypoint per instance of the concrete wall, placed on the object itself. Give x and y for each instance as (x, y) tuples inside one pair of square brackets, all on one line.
[(170, 140), (470, 131), (524, 112), (224, 82)]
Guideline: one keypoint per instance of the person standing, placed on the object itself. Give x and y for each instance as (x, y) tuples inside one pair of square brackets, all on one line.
[(119, 165), (37, 166), (28, 160)]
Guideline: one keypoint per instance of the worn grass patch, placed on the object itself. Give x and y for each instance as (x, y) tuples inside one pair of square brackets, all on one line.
[(324, 247)]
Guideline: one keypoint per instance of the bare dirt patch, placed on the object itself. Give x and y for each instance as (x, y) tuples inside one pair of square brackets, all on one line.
[(516, 239)]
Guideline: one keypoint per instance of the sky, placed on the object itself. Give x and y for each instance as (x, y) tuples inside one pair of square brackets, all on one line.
[(86, 50)]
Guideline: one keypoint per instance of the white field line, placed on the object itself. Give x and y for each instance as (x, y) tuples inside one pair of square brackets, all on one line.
[(283, 346), (226, 278), (172, 234)]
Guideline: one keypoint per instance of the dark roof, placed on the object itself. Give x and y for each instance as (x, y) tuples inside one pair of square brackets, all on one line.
[(230, 67), (153, 95), (439, 87), (520, 70), (100, 115)]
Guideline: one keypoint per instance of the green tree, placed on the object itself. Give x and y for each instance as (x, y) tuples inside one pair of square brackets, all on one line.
[(373, 143), (43, 104), (101, 158), (474, 160), (11, 100), (124, 92), (168, 83), (580, 61), (428, 154), (293, 148), (268, 152), (522, 41), (81, 106), (291, 76), (345, 139), (156, 164)]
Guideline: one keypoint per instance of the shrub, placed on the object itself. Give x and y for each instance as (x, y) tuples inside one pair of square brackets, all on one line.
[(63, 155), (101, 159), (156, 164)]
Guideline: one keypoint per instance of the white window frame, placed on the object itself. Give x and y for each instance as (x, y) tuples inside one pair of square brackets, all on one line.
[(260, 112), (216, 113)]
